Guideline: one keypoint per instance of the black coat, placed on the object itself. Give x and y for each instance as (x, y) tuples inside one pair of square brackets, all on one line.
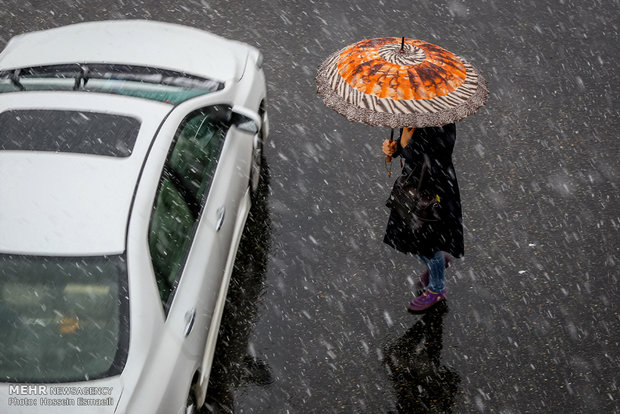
[(447, 234)]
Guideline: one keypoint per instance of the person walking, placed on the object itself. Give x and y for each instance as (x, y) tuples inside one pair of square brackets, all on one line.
[(435, 241)]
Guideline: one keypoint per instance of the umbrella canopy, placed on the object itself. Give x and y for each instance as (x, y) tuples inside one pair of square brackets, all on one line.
[(397, 82)]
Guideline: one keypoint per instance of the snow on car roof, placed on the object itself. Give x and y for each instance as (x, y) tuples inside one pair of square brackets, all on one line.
[(131, 42), (59, 202)]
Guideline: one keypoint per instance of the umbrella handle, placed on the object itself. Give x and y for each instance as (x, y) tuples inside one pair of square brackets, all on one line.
[(388, 158)]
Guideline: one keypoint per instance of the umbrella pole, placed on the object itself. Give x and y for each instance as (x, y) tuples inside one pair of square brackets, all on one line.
[(388, 159)]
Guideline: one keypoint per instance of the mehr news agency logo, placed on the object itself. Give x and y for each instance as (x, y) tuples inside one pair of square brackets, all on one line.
[(47, 395)]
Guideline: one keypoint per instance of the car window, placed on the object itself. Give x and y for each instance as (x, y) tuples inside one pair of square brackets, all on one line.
[(171, 227), (79, 132), (194, 156), (182, 192), (129, 80), (62, 319)]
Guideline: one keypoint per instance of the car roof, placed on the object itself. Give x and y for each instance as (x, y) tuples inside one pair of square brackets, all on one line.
[(62, 203), (131, 42)]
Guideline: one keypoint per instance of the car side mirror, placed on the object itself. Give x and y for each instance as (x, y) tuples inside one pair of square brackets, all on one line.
[(220, 114), (245, 119)]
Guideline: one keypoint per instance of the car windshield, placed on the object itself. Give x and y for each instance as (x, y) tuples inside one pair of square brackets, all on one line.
[(141, 82), (68, 131), (62, 318)]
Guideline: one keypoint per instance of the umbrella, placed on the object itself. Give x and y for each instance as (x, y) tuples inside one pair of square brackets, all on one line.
[(398, 82)]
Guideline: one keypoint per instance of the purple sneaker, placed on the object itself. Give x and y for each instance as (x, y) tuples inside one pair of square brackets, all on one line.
[(426, 300), (424, 278)]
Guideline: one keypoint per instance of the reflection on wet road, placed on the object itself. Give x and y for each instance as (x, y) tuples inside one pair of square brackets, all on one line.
[(421, 382)]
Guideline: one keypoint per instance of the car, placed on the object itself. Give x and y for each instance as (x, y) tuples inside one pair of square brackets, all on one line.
[(130, 154)]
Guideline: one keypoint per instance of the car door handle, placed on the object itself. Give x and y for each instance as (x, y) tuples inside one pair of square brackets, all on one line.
[(190, 317), (221, 212)]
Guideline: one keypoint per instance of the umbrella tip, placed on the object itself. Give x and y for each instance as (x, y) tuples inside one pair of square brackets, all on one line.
[(402, 45)]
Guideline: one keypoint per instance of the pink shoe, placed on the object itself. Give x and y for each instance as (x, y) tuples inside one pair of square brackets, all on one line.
[(426, 300), (424, 278)]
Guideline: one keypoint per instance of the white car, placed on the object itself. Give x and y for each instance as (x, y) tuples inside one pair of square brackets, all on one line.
[(129, 154)]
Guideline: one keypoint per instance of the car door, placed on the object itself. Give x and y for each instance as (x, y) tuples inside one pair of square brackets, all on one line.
[(185, 245)]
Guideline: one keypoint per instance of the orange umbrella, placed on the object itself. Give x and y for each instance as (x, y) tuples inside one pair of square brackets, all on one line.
[(398, 82)]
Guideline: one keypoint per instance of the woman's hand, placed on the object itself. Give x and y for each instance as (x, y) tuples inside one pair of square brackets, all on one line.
[(389, 147)]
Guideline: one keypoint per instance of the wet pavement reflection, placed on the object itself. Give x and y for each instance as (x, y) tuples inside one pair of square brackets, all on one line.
[(422, 383)]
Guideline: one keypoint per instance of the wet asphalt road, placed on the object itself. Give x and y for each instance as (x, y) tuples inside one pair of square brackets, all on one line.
[(316, 319)]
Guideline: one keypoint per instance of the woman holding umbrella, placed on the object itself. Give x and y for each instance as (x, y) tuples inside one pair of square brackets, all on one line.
[(429, 147), (424, 89)]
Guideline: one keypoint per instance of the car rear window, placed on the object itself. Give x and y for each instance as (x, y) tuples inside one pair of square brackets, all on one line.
[(79, 132), (62, 319)]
